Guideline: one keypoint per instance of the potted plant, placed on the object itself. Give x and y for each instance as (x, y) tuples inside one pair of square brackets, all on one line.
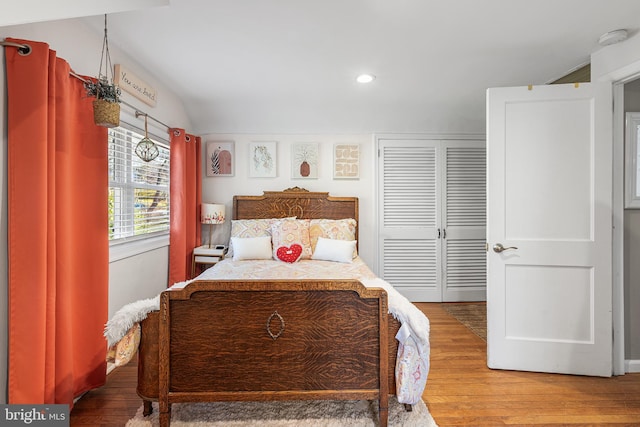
[(106, 106)]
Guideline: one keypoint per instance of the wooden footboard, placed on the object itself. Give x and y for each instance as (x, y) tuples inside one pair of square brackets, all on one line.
[(147, 387), (268, 340)]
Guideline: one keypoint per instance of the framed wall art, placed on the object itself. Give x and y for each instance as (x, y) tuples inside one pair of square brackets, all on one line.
[(346, 161), (220, 158), (262, 160), (304, 160)]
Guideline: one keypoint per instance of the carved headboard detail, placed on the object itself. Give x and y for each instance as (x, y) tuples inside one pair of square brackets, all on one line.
[(297, 202)]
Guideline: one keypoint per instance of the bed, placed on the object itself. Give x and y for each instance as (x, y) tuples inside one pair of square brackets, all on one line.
[(273, 330)]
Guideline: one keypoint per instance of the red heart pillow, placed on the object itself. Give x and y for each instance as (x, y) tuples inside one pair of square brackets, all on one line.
[(289, 254)]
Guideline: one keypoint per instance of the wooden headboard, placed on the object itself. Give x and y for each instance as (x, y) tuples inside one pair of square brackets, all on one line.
[(296, 202)]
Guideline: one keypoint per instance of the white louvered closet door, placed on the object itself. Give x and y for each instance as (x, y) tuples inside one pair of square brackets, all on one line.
[(464, 206), (408, 218), (432, 218)]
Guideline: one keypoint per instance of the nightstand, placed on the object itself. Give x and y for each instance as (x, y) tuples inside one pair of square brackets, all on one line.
[(206, 256)]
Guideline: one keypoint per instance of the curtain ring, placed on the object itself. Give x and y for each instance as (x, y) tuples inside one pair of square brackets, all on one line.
[(176, 132), (187, 138), (24, 50)]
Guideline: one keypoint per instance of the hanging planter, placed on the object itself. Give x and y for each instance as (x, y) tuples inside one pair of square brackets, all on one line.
[(106, 106), (106, 113)]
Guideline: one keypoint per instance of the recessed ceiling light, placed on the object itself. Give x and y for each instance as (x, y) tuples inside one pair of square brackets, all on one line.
[(365, 78)]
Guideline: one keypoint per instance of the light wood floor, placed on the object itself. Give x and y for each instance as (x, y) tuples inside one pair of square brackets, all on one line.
[(461, 390)]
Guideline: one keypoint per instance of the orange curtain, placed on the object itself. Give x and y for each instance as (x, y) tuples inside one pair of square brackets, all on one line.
[(186, 198), (58, 232)]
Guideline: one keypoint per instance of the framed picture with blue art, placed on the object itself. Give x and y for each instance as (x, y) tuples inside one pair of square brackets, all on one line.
[(262, 159), (220, 158)]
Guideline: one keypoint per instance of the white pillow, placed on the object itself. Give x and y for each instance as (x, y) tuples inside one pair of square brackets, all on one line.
[(251, 248), (334, 250)]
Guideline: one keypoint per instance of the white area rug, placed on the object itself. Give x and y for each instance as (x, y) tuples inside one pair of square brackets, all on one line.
[(313, 413)]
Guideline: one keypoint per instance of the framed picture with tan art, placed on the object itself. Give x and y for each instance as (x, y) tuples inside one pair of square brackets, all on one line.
[(346, 161)]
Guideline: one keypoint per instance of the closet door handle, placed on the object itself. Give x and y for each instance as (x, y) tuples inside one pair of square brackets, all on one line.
[(444, 233), (438, 233)]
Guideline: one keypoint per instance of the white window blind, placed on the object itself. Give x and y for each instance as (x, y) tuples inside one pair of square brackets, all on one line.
[(138, 190)]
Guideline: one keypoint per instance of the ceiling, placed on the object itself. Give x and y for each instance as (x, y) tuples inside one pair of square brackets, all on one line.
[(289, 66)]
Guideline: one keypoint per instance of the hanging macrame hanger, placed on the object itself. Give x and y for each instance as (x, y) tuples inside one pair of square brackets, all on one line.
[(105, 56)]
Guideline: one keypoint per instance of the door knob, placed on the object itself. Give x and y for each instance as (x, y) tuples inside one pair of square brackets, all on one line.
[(497, 248)]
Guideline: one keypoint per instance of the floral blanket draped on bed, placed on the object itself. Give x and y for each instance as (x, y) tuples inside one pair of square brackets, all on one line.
[(412, 366)]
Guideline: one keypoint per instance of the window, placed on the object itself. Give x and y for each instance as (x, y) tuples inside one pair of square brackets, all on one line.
[(138, 191)]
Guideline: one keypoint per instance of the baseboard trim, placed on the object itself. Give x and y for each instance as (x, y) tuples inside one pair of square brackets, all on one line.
[(631, 366)]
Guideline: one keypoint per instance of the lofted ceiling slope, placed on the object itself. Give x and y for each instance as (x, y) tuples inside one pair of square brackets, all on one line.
[(289, 66)]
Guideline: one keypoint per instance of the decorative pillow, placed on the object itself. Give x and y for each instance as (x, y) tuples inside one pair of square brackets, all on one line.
[(334, 250), (289, 254), (286, 232), (411, 369), (250, 228), (122, 352), (251, 248), (337, 229)]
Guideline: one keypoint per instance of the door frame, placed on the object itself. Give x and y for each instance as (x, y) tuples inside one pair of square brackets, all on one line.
[(617, 244), (620, 366), (618, 78)]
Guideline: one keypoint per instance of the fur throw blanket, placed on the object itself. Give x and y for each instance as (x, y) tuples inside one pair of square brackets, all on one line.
[(127, 316)]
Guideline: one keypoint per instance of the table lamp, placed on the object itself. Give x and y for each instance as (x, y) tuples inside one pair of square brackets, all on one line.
[(212, 213)]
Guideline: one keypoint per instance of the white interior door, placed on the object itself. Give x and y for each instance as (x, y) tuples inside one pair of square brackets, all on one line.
[(549, 191)]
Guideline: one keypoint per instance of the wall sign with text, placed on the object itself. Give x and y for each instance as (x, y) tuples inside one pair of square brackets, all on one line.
[(132, 84)]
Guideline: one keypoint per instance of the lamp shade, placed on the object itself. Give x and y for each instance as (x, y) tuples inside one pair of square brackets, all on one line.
[(212, 213)]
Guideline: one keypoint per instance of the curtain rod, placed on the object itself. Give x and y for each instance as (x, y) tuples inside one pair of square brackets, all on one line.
[(25, 49)]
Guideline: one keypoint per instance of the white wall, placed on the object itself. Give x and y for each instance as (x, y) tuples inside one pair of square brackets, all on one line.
[(131, 277), (222, 189), (137, 277)]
